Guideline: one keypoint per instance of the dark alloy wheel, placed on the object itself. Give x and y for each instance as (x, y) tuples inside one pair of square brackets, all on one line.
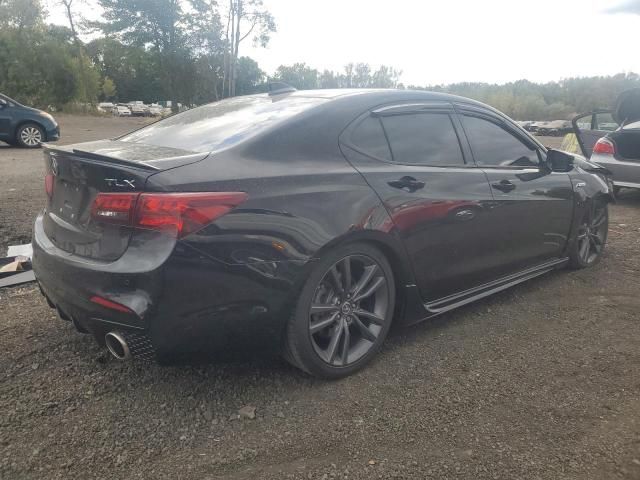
[(591, 236), (344, 312)]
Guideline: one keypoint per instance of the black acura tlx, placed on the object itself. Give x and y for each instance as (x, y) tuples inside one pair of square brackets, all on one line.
[(306, 221)]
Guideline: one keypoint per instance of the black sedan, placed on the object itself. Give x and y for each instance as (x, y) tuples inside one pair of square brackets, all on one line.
[(25, 126), (306, 221)]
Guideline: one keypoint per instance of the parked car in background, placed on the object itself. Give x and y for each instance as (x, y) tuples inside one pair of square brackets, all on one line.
[(526, 124), (105, 107), (611, 138), (218, 226), (554, 128), (121, 111), (138, 109), (25, 126), (155, 110)]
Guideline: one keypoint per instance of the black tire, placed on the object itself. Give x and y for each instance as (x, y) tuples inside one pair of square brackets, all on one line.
[(360, 323), (30, 135), (591, 236)]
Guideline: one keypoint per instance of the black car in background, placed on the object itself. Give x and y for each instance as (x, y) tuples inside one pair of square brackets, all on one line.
[(25, 126), (308, 221)]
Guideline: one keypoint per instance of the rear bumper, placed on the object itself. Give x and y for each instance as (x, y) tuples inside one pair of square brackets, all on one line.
[(624, 173), (183, 302)]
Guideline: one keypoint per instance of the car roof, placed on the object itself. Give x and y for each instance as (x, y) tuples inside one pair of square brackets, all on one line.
[(380, 93), (371, 97)]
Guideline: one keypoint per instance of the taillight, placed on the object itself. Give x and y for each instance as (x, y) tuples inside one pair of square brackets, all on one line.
[(48, 184), (178, 213), (604, 146), (114, 207)]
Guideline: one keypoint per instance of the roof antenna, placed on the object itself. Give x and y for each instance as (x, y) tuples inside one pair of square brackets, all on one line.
[(278, 88)]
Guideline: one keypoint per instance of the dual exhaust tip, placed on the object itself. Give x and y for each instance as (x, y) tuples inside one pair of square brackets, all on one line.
[(118, 346)]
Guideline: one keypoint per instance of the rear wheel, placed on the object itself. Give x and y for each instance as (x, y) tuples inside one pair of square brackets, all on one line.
[(343, 313), (591, 236), (30, 135)]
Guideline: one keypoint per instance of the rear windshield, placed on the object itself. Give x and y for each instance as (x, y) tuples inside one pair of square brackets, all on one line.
[(219, 125)]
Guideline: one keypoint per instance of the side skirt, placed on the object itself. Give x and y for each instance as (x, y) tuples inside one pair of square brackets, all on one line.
[(451, 302)]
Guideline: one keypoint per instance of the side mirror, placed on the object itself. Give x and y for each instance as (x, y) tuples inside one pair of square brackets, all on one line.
[(559, 161), (3, 103)]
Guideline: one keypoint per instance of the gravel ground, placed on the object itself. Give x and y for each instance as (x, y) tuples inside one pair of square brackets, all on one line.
[(538, 382)]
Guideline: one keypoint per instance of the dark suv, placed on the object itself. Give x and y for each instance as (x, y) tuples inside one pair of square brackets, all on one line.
[(25, 126)]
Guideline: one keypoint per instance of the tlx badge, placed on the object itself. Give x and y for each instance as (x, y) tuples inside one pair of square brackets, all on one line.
[(124, 183)]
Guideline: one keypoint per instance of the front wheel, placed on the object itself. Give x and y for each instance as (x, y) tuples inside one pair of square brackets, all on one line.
[(343, 313), (30, 135), (591, 236)]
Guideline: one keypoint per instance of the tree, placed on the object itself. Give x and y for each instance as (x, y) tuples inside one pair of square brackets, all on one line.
[(108, 89), (21, 14), (88, 86), (135, 70), (298, 75), (210, 48), (245, 18), (250, 77), (161, 24)]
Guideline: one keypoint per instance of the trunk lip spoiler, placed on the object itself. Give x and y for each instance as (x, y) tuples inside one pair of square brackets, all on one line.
[(107, 158), (155, 165), (80, 154)]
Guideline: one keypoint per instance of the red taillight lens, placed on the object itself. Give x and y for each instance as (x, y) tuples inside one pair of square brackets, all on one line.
[(178, 213), (184, 213), (604, 146), (114, 207), (48, 184)]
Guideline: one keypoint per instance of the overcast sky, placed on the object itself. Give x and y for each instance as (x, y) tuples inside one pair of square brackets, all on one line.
[(434, 42)]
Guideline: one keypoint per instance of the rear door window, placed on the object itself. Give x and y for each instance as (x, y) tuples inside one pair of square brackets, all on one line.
[(423, 139), (368, 137)]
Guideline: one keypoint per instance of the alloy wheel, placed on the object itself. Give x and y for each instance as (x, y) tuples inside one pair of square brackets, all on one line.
[(31, 136), (592, 234), (349, 310)]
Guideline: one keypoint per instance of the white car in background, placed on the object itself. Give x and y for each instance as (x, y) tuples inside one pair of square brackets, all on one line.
[(121, 111), (155, 110), (105, 107)]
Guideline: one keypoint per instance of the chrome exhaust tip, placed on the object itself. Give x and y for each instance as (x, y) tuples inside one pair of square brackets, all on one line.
[(117, 346)]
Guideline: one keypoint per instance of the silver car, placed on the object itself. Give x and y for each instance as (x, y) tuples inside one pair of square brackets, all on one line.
[(612, 139)]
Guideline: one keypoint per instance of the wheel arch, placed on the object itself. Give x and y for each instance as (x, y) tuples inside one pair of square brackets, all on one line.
[(392, 248), (26, 121)]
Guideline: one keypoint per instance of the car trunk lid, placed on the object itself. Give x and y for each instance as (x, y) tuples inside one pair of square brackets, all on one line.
[(76, 174)]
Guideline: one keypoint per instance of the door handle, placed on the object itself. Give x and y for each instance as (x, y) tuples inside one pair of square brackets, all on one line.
[(504, 185), (410, 183)]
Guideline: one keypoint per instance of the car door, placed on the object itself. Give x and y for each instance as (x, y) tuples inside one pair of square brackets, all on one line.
[(590, 127), (5, 119), (436, 197), (533, 206)]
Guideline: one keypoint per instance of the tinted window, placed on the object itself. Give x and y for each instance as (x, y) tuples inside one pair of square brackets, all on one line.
[(369, 137), (221, 124), (492, 145), (424, 139)]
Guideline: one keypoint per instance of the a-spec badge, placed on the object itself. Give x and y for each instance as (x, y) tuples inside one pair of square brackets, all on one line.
[(121, 183)]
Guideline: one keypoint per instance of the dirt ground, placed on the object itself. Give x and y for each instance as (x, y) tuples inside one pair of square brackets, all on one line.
[(538, 382)]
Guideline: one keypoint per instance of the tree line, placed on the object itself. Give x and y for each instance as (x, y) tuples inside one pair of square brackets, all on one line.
[(189, 51)]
